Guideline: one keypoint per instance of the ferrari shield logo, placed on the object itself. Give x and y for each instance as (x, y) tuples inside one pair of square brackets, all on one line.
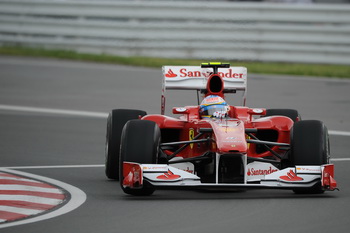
[(191, 136)]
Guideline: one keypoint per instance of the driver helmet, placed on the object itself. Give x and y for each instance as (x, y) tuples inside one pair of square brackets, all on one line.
[(213, 106)]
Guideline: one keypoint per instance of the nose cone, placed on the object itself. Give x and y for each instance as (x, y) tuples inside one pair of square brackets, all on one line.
[(229, 136)]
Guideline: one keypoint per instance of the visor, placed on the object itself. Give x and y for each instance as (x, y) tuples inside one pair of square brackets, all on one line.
[(208, 111)]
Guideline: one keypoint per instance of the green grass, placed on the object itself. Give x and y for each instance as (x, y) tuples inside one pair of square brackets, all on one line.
[(317, 70)]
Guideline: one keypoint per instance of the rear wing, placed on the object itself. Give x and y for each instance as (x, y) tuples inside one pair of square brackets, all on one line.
[(195, 78)]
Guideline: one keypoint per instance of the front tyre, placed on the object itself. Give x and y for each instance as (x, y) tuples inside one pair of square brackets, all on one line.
[(115, 123), (140, 144), (309, 146)]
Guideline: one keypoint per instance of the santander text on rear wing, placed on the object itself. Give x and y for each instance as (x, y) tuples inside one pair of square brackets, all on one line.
[(195, 78)]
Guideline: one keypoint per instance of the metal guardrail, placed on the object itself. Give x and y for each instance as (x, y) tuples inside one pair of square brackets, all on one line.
[(180, 29)]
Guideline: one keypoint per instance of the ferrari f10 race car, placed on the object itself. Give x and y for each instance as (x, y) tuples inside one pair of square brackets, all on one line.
[(214, 145)]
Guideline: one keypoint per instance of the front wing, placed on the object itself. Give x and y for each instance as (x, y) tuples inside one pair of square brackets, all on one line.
[(163, 176)]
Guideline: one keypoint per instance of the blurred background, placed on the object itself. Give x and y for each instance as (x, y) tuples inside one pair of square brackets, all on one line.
[(285, 1), (289, 31)]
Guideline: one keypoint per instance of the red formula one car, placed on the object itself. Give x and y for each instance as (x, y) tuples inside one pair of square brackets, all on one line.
[(214, 145)]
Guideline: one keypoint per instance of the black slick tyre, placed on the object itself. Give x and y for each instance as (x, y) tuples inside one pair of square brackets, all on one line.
[(309, 146), (115, 123), (140, 144), (291, 113)]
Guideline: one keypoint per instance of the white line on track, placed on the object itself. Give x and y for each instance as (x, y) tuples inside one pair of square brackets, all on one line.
[(53, 111), (78, 197), (339, 133), (94, 114), (57, 166), (340, 159)]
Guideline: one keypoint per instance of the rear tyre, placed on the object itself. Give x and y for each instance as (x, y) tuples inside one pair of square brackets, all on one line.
[(309, 146), (140, 144), (115, 123), (291, 113)]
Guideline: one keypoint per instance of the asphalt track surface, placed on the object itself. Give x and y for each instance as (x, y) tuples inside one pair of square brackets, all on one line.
[(43, 139)]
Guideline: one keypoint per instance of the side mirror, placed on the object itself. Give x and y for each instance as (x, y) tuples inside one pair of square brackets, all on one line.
[(257, 111), (178, 110)]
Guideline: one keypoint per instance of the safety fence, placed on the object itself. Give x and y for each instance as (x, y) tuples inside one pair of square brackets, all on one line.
[(182, 29)]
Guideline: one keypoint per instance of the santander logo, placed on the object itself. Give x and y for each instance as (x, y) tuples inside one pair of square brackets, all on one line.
[(291, 176), (170, 74), (184, 73), (261, 172), (168, 176)]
